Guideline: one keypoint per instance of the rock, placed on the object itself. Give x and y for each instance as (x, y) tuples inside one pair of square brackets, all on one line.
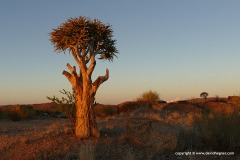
[(46, 115), (102, 111), (180, 107), (61, 115), (131, 106), (234, 99)]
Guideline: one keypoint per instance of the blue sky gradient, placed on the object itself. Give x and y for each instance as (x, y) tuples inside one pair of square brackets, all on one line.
[(177, 48)]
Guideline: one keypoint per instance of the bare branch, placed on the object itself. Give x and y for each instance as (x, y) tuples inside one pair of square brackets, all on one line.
[(92, 66), (78, 52), (68, 75), (88, 48), (83, 52), (75, 55), (87, 59), (72, 69), (79, 59), (101, 79)]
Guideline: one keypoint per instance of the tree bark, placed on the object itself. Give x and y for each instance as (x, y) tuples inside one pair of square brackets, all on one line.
[(86, 125), (85, 118), (85, 91)]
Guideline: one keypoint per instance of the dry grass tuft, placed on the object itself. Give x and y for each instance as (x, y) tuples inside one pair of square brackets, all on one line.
[(18, 112), (145, 132), (105, 110), (219, 107), (214, 131), (129, 154), (147, 113), (86, 151)]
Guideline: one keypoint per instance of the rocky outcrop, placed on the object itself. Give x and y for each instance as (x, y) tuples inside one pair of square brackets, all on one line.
[(234, 100), (180, 107), (131, 106)]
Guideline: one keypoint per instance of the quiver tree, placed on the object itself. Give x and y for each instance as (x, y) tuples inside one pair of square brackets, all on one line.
[(204, 95), (84, 39)]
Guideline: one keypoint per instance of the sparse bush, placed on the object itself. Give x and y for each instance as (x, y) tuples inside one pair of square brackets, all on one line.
[(149, 96), (86, 151), (234, 100), (217, 99), (14, 116), (212, 132), (21, 112), (67, 104), (204, 95), (147, 113), (143, 132), (1, 114), (129, 154), (105, 110), (131, 106)]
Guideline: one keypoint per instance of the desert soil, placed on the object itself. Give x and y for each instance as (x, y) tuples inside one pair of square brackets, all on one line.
[(52, 138)]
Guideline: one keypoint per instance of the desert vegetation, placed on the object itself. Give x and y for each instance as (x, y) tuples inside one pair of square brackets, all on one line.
[(149, 96), (130, 130), (204, 95), (86, 40)]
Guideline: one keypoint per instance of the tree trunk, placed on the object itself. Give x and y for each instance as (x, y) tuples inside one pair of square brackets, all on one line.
[(85, 119), (84, 91)]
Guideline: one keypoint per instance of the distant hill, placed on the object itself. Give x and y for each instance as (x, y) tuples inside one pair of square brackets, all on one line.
[(213, 103), (42, 106)]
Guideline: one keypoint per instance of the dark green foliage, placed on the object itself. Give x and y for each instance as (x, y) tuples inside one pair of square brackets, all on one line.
[(66, 104)]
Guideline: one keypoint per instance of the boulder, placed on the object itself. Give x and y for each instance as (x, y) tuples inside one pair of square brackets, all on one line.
[(101, 110), (45, 115), (234, 100), (61, 115), (180, 107), (131, 106)]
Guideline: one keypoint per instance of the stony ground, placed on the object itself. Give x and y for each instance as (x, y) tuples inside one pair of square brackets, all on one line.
[(142, 134), (51, 138)]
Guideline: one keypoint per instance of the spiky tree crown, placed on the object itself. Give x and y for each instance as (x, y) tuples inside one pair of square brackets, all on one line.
[(85, 34), (204, 94)]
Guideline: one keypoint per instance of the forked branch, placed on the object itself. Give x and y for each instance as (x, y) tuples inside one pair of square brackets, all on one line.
[(68, 75), (92, 66), (100, 80), (72, 69)]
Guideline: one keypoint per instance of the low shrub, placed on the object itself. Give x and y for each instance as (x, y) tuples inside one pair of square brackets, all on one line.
[(142, 132), (212, 132), (147, 113), (149, 96), (14, 115), (66, 104), (19, 112), (234, 99), (87, 151), (3, 114), (105, 110), (129, 106)]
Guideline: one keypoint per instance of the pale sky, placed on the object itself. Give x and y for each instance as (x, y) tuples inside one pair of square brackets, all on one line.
[(178, 48)]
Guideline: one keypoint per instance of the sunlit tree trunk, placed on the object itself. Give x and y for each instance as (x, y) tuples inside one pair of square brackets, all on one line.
[(84, 91), (85, 119)]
